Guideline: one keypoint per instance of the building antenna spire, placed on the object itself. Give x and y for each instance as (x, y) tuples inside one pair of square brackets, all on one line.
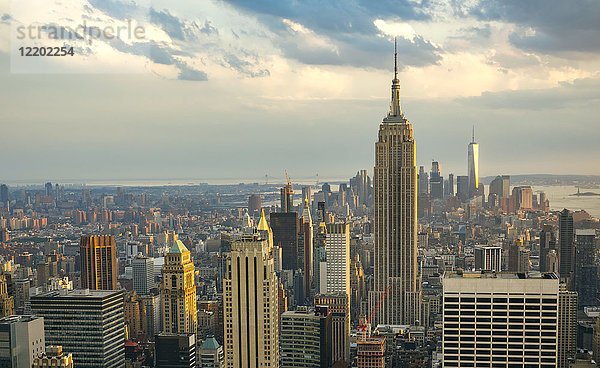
[(395, 104), (473, 140), (395, 59)]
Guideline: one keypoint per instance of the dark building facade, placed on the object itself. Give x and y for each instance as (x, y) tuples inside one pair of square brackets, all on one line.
[(87, 323), (586, 272), (566, 247), (175, 350), (285, 236)]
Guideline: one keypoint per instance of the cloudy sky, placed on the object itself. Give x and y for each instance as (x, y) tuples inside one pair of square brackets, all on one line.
[(233, 90)]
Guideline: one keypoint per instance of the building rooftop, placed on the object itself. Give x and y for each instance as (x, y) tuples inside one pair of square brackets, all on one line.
[(64, 293), (210, 344), (498, 275), (16, 318), (178, 247)]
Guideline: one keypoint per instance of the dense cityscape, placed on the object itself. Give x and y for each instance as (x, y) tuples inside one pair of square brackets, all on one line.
[(408, 267)]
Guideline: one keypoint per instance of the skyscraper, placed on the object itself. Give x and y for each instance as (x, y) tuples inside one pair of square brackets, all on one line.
[(306, 338), (254, 204), (98, 262), (500, 186), (21, 340), (337, 248), (175, 350), (306, 248), (251, 308), (48, 188), (566, 250), (395, 218), (586, 272), (423, 181), (547, 243), (287, 198), (488, 258), (87, 323), (143, 274), (462, 188), (436, 181), (4, 194), (179, 291), (285, 236), (473, 164), (7, 302), (306, 195), (489, 310)]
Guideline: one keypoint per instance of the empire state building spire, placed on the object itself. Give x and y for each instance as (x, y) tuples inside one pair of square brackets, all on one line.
[(395, 104)]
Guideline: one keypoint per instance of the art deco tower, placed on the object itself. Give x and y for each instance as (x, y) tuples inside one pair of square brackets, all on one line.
[(179, 291), (250, 309), (473, 164), (98, 262), (395, 215)]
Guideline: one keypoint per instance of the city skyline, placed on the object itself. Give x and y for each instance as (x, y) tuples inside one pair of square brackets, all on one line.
[(532, 81)]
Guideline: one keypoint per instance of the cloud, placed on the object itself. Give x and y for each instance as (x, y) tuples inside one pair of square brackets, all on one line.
[(190, 74), (119, 9), (546, 26), (344, 33), (581, 92)]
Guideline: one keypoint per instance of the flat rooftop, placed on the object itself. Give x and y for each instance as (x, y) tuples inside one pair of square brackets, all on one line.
[(499, 275)]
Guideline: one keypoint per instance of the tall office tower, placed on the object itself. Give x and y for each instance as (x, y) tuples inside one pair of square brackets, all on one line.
[(566, 250), (175, 350), (254, 204), (306, 249), (450, 186), (500, 186), (462, 188), (21, 340), (500, 319), (547, 243), (87, 323), (48, 188), (210, 354), (567, 326), (179, 291), (371, 352), (7, 302), (153, 313), (251, 308), (143, 274), (53, 357), (337, 247), (586, 272), (306, 196), (338, 305), (306, 338), (287, 198), (523, 197), (357, 287), (488, 258), (320, 260), (518, 257), (136, 319), (395, 219), (473, 164), (436, 181), (362, 186), (423, 181), (285, 236), (4, 197), (98, 262)]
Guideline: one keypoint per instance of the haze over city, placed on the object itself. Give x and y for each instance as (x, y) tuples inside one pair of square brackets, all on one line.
[(234, 90)]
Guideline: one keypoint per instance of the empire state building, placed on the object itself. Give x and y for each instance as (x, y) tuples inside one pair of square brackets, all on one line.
[(395, 219)]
